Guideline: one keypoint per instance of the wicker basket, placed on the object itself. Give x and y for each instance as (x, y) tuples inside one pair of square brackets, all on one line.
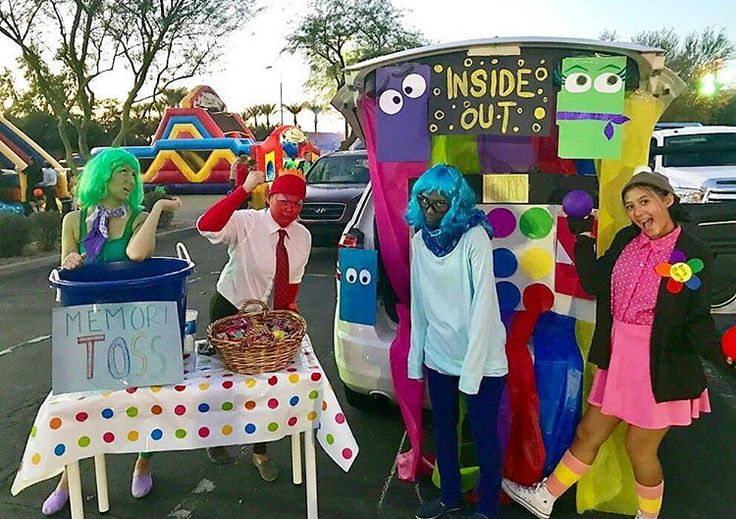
[(257, 342)]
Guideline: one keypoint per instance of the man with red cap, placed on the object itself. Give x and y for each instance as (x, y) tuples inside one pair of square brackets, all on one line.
[(268, 252)]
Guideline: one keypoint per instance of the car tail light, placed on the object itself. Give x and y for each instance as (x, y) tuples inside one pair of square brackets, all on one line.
[(353, 239), (348, 241)]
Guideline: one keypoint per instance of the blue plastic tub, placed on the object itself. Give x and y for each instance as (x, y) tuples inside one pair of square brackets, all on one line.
[(155, 279)]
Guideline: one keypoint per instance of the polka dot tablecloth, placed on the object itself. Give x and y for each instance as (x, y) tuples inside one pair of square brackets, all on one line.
[(212, 407)]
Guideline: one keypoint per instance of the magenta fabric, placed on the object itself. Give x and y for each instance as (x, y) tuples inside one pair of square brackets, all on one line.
[(390, 185), (635, 283)]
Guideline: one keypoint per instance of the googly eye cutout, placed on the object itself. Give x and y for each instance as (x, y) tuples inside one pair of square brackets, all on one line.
[(351, 275), (365, 277), (608, 83), (578, 82), (391, 102), (414, 86)]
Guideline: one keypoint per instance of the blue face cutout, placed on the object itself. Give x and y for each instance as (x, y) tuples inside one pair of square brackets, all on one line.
[(359, 275)]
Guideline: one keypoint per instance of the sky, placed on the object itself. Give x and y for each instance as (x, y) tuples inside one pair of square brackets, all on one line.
[(242, 79)]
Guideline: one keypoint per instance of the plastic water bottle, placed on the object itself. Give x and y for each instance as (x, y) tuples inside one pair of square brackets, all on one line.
[(190, 330)]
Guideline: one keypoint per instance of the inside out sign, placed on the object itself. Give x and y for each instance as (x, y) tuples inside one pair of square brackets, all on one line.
[(501, 95)]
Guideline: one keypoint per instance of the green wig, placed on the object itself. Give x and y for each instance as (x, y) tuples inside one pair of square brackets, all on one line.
[(91, 186)]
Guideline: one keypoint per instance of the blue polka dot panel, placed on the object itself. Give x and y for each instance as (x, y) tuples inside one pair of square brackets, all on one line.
[(523, 249)]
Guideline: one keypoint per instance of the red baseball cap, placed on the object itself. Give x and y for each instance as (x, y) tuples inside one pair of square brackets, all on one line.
[(289, 184)]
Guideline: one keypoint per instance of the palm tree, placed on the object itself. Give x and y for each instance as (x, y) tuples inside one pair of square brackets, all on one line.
[(316, 109), (267, 110), (294, 110), (173, 96), (252, 112)]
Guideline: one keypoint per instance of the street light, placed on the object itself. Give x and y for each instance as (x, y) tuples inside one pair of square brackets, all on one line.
[(709, 85), (281, 94)]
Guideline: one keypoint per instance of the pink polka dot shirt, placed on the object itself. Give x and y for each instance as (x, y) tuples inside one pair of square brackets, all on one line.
[(635, 283)]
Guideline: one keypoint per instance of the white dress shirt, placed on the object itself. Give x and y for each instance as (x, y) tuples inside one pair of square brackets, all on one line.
[(251, 236)]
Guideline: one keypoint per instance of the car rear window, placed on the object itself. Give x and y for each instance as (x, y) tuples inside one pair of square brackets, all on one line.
[(337, 169), (707, 157)]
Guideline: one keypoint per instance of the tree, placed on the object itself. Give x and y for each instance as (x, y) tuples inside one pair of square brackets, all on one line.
[(608, 35), (337, 33), (164, 42), (64, 46), (267, 110), (316, 109), (252, 112), (294, 110), (691, 57)]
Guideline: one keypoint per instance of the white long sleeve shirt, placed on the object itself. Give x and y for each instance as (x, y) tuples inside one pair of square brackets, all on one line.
[(251, 237), (456, 320)]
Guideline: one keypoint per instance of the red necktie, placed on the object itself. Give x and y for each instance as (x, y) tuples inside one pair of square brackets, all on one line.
[(281, 279)]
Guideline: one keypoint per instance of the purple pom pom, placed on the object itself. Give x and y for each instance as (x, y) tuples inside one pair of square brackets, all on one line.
[(577, 204)]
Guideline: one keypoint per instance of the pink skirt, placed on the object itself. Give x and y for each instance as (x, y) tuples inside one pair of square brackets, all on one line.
[(624, 390)]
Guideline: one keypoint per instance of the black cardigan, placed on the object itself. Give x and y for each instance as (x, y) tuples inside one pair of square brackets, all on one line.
[(683, 328)]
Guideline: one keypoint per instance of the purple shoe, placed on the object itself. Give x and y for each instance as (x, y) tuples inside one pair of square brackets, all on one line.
[(141, 485), (55, 502)]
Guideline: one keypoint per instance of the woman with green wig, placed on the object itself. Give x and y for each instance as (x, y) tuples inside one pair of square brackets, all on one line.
[(110, 225)]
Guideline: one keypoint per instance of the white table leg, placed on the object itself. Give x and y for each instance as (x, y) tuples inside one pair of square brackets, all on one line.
[(103, 500), (75, 490), (296, 458), (310, 463)]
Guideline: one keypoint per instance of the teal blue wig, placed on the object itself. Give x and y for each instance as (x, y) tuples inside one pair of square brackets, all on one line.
[(91, 186), (450, 183)]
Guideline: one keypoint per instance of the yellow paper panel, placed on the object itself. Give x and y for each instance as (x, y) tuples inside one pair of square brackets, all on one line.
[(501, 188)]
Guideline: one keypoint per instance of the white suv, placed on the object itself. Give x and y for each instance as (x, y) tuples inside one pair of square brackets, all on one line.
[(700, 161), (361, 351)]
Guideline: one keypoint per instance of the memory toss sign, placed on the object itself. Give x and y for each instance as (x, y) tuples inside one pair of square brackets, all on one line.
[(115, 346)]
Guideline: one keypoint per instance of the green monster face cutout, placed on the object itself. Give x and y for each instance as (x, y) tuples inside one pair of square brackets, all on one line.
[(590, 106)]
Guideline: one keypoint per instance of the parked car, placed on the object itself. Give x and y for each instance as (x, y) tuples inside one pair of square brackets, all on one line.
[(700, 161), (335, 183)]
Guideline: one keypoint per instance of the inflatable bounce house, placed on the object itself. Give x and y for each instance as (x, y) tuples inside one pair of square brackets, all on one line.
[(528, 121), (17, 153), (196, 143)]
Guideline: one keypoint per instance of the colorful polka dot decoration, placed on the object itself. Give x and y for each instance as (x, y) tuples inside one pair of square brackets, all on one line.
[(509, 296), (536, 263), (208, 407), (503, 222), (536, 223), (538, 298), (505, 263), (523, 251)]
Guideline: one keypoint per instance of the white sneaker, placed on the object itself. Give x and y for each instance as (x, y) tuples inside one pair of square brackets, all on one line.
[(536, 498)]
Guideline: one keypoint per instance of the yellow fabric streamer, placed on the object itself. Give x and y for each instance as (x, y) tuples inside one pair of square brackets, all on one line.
[(459, 151), (644, 111), (609, 485)]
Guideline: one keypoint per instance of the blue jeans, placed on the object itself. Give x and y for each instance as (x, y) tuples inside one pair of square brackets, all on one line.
[(483, 415)]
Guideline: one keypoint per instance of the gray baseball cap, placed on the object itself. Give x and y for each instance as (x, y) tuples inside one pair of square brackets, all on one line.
[(647, 177)]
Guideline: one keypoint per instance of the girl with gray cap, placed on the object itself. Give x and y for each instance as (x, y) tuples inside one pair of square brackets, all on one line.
[(652, 324)]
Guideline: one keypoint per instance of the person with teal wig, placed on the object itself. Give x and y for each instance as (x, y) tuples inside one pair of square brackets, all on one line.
[(110, 225), (457, 337)]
